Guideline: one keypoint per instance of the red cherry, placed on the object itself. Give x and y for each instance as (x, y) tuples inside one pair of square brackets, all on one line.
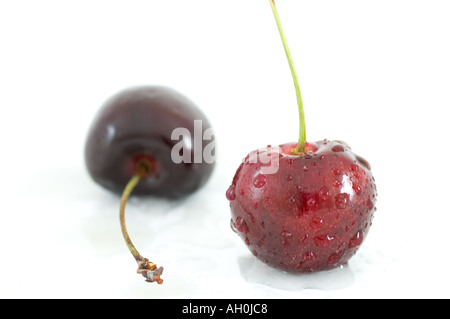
[(300, 219), (303, 206)]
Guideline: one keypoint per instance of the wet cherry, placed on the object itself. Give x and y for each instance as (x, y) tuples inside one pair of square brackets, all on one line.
[(302, 219), (302, 206)]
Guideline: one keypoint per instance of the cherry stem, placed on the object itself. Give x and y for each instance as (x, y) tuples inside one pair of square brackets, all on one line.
[(145, 267), (302, 134)]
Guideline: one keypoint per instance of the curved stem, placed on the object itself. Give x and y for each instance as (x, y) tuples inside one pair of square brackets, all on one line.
[(123, 200), (302, 131), (145, 267)]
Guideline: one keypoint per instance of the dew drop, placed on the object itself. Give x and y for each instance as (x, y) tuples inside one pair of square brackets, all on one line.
[(337, 183), (233, 226), (286, 235), (241, 225), (323, 240), (357, 188), (369, 204), (305, 168), (336, 171), (289, 178), (335, 258), (342, 200), (259, 181), (309, 256), (363, 162), (356, 240), (323, 193), (231, 193), (316, 223), (337, 148)]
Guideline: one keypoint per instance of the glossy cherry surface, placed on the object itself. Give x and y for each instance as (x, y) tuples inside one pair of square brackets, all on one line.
[(312, 214), (133, 131)]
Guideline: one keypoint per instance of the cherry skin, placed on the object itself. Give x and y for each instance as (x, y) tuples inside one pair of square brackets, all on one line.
[(132, 134), (312, 214)]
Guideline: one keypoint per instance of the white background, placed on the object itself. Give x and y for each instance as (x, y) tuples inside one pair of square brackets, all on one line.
[(375, 74)]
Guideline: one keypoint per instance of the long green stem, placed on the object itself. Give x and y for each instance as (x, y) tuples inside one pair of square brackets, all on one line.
[(302, 131), (145, 267)]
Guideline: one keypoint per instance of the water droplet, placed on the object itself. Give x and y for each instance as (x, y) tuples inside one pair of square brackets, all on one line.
[(363, 162), (286, 235), (231, 193), (337, 183), (309, 256), (241, 225), (323, 193), (289, 178), (369, 204), (316, 222), (336, 171), (305, 168), (233, 226), (355, 167), (336, 257), (356, 240), (321, 157), (260, 242), (259, 181), (337, 148), (291, 200), (342, 200), (357, 188), (323, 240), (290, 161)]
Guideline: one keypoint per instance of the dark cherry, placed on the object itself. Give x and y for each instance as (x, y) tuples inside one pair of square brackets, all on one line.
[(149, 140), (133, 132)]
